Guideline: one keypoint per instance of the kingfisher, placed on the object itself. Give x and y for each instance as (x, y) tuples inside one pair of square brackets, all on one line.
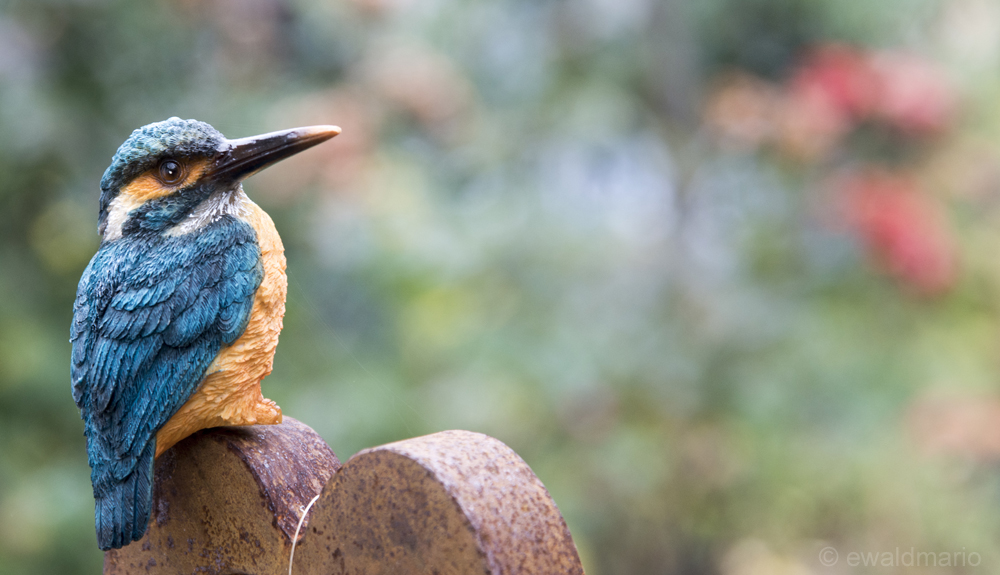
[(177, 316)]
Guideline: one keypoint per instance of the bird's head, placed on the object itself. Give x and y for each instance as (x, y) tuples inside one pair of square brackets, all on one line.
[(165, 170)]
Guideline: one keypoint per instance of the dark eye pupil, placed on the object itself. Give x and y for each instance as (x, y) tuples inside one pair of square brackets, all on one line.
[(170, 170)]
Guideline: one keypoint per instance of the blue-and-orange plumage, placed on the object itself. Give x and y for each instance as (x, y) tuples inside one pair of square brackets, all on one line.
[(177, 315)]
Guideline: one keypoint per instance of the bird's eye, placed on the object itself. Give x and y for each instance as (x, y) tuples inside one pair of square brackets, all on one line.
[(170, 171)]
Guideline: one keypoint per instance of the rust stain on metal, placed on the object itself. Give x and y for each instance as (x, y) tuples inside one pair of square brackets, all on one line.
[(448, 503)]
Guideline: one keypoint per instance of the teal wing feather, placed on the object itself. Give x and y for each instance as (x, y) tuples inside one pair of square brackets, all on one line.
[(151, 313)]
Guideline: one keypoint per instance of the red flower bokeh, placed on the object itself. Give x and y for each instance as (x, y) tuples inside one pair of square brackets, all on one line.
[(828, 94), (902, 89), (913, 94), (839, 76), (904, 231)]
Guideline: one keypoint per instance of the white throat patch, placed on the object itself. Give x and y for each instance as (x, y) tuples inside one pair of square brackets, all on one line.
[(220, 203)]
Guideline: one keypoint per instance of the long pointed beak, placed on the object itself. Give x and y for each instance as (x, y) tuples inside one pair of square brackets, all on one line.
[(244, 157)]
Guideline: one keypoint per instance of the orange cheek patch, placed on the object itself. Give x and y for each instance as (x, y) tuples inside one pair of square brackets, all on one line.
[(148, 187)]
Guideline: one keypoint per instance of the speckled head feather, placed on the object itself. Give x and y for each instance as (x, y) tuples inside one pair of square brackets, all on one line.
[(149, 144)]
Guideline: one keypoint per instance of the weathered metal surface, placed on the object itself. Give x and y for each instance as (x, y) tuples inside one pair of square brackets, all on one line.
[(228, 500), (448, 503)]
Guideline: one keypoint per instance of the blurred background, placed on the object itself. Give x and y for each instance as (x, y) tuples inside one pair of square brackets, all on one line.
[(725, 273)]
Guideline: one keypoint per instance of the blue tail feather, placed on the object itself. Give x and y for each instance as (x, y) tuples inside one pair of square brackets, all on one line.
[(122, 512)]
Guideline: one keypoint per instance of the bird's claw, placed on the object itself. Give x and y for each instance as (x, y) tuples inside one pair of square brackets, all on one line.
[(267, 412)]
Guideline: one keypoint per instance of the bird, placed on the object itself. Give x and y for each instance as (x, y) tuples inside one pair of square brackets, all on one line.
[(177, 315)]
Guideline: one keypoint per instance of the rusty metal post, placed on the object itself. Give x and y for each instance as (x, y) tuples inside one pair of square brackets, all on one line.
[(230, 500)]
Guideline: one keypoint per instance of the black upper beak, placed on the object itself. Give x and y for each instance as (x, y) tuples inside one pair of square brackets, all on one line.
[(244, 157)]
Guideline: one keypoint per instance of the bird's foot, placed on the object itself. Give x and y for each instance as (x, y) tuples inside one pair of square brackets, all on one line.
[(267, 412)]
